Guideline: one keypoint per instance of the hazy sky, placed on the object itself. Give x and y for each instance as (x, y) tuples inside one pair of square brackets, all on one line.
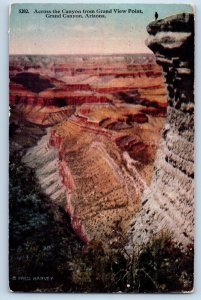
[(117, 33)]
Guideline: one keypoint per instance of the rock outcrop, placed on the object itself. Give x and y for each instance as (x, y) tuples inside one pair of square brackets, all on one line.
[(168, 203)]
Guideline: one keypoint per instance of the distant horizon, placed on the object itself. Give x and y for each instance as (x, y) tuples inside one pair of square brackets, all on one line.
[(83, 54)]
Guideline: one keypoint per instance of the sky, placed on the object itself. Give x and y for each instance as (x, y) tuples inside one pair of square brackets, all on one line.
[(116, 34)]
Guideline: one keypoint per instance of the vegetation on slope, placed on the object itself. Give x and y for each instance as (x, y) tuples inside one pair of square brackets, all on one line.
[(46, 255)]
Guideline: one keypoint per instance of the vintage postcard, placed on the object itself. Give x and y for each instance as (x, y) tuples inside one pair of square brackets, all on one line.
[(101, 194)]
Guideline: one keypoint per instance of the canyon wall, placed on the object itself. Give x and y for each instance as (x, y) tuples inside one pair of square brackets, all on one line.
[(103, 124), (168, 203)]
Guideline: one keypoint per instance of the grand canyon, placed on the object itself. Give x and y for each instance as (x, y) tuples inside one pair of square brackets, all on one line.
[(108, 140), (102, 118)]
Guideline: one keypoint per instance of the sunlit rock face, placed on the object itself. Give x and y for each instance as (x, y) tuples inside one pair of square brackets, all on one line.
[(102, 119), (168, 203)]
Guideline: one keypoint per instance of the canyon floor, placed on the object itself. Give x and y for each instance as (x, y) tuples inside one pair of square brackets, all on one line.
[(83, 137)]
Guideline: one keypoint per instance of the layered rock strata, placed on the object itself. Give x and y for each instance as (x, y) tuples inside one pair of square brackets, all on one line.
[(168, 203), (89, 170), (99, 157), (84, 178)]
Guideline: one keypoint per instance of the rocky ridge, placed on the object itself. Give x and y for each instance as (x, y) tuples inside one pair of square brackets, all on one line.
[(80, 167), (168, 203)]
